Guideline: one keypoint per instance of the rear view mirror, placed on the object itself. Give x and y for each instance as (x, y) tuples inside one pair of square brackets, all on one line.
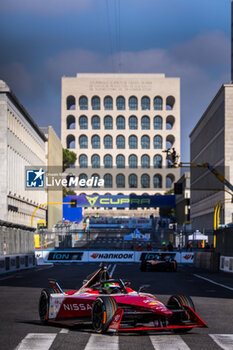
[(143, 287)]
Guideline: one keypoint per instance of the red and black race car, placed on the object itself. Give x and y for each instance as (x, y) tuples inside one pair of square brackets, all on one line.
[(164, 261), (111, 306)]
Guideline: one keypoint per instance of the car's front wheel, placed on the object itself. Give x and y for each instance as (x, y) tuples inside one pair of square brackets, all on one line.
[(177, 302), (44, 305), (103, 310)]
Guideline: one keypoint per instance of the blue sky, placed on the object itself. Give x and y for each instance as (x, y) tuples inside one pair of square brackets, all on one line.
[(40, 41)]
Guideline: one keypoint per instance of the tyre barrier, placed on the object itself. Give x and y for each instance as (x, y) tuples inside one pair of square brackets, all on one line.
[(11, 263)]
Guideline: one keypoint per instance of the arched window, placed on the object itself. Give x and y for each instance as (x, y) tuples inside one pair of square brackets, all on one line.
[(83, 124), (83, 103), (133, 161), (83, 141), (145, 142), (145, 181), (157, 161), (108, 103), (133, 181), (170, 140), (96, 178), (70, 103), (145, 123), (145, 103), (158, 123), (133, 142), (107, 142), (95, 141), (120, 122), (157, 180), (83, 161), (133, 123), (108, 122), (170, 121), (83, 177), (120, 103), (120, 161), (145, 161), (170, 178), (95, 161), (108, 181), (133, 103), (158, 103), (70, 122), (120, 142), (120, 181), (158, 142), (170, 101), (70, 142), (95, 103), (108, 161), (95, 122)]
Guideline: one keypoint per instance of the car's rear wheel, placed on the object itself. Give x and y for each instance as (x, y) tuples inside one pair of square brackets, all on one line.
[(177, 302), (103, 310), (44, 305)]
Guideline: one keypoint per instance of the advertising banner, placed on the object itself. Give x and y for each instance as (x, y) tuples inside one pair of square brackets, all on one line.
[(117, 256), (121, 201)]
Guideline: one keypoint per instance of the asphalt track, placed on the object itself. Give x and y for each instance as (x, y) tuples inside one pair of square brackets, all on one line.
[(20, 327)]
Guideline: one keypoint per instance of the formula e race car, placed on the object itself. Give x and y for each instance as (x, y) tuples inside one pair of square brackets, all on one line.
[(158, 261), (111, 306)]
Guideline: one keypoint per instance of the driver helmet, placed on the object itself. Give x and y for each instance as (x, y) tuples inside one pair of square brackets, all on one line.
[(112, 287)]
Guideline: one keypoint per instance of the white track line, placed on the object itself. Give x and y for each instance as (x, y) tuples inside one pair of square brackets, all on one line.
[(218, 284), (64, 331), (37, 341), (113, 269), (100, 342), (225, 341), (168, 342)]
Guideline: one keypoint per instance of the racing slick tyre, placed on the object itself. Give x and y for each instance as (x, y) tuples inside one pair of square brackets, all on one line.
[(143, 265), (44, 305), (103, 310), (177, 301)]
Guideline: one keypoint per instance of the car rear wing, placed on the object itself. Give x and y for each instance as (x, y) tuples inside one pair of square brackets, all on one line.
[(154, 256)]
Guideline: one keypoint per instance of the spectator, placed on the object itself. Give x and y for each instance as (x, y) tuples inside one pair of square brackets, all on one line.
[(164, 247), (149, 247)]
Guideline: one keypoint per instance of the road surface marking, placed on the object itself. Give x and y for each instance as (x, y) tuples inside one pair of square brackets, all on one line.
[(168, 342), (37, 341), (100, 342), (113, 269), (225, 341), (64, 331), (218, 284)]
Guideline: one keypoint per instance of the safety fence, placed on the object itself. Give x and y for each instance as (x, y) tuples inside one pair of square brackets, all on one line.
[(50, 256), (12, 263)]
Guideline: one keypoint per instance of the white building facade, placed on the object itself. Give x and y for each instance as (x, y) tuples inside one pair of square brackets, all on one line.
[(119, 125), (21, 144)]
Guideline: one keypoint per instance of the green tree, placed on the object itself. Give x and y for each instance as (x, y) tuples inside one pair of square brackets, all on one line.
[(69, 158)]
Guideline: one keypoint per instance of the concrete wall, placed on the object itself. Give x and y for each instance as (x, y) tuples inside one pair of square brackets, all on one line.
[(211, 141), (207, 260), (16, 241), (13, 263)]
